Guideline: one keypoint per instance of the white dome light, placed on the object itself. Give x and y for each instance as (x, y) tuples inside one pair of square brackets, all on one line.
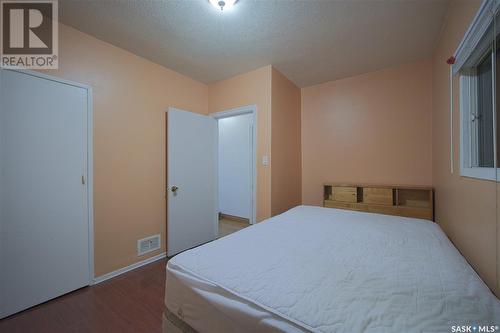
[(223, 4)]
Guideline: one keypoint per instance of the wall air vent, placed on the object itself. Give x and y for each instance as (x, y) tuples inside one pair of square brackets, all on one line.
[(148, 244)]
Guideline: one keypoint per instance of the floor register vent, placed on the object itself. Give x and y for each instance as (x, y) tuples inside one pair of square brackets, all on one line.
[(148, 244)]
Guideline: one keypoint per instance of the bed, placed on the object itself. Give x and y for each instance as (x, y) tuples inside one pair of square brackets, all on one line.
[(315, 269)]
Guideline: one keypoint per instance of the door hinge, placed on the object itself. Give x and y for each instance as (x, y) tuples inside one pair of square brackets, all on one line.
[(83, 180)]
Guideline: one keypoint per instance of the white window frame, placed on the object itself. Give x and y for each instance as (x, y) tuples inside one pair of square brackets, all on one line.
[(468, 95)]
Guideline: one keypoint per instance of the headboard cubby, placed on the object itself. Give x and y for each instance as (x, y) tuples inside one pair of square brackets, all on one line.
[(401, 200)]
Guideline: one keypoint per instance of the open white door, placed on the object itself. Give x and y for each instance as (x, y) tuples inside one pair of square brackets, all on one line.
[(192, 180)]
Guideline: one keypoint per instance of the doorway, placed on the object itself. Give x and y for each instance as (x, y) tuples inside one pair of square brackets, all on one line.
[(236, 141), (192, 150)]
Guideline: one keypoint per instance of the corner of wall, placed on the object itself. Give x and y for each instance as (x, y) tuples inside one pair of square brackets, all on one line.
[(286, 172)]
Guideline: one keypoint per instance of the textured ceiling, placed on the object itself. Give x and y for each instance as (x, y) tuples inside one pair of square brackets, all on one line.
[(310, 41)]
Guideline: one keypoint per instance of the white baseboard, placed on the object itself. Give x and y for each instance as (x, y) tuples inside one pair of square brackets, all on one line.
[(120, 271)]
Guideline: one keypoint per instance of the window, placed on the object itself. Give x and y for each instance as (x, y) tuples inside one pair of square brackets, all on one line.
[(479, 66), (477, 108)]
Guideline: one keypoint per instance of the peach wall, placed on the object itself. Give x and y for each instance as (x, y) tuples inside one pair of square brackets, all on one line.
[(286, 185), (252, 88), (465, 207), (130, 97), (371, 128)]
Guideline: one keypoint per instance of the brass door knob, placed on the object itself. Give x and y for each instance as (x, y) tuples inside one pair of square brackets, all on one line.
[(174, 189)]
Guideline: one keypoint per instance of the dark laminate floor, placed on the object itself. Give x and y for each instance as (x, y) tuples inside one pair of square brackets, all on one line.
[(132, 302)]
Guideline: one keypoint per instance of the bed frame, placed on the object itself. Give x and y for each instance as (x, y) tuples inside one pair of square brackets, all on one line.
[(173, 324), (400, 200)]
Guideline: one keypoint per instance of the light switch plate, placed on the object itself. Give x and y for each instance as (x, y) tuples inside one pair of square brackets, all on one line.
[(265, 160)]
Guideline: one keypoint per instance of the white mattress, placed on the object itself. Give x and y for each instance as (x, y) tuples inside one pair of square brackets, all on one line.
[(329, 270)]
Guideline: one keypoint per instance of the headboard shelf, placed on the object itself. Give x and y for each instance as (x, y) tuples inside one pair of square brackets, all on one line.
[(401, 200)]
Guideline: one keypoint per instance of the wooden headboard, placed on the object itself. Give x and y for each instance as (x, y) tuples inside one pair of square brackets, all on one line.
[(409, 201)]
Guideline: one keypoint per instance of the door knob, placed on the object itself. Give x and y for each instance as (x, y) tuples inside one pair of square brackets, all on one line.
[(174, 189)]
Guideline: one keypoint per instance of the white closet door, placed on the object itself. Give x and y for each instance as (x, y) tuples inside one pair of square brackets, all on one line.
[(44, 230)]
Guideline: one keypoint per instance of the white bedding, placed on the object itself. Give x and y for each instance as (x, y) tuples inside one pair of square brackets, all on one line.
[(329, 270), (209, 308)]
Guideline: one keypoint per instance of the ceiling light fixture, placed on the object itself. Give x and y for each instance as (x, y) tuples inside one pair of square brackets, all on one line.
[(223, 4)]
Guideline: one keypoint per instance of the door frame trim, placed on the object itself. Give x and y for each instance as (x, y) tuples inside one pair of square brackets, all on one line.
[(89, 158), (248, 109)]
